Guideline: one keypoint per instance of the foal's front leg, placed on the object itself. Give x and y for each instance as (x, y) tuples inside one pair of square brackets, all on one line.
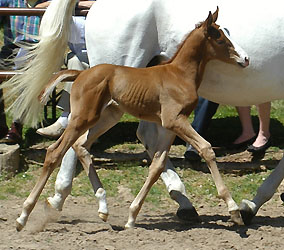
[(164, 141), (183, 129), (147, 133)]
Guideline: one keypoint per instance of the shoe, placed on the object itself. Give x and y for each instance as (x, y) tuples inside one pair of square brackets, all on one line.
[(14, 135), (53, 131), (242, 144), (191, 155), (260, 149), (3, 131)]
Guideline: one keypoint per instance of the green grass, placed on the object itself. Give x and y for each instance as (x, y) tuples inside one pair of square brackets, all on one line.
[(200, 187)]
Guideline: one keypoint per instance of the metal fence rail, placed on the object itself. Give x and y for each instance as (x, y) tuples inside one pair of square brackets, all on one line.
[(5, 11)]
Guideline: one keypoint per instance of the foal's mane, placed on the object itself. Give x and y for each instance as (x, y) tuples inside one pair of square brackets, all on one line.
[(198, 25)]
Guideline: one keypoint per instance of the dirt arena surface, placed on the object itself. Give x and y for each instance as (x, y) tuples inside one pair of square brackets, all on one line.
[(79, 227)]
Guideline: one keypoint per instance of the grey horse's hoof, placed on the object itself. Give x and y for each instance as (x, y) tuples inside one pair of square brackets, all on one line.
[(188, 214), (246, 213), (282, 197)]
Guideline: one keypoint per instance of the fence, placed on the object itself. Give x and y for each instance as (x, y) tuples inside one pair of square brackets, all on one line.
[(7, 74)]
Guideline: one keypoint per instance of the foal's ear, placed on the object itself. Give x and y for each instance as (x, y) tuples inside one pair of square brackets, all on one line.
[(215, 15), (208, 22), (211, 31)]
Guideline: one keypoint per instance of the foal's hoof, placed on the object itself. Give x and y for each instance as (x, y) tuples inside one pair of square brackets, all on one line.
[(246, 213), (188, 214), (236, 217), (103, 216), (129, 225), (19, 226)]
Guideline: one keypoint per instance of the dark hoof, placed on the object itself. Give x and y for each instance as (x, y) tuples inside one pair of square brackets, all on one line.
[(282, 197), (246, 213), (187, 214)]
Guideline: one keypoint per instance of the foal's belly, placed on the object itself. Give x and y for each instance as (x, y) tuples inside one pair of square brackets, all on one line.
[(146, 113)]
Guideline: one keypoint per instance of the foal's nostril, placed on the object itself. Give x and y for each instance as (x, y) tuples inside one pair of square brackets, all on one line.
[(246, 61)]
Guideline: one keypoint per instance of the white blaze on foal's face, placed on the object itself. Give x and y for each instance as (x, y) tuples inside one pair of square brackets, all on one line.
[(240, 55)]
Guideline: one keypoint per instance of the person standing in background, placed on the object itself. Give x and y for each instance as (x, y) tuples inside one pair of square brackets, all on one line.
[(17, 30)]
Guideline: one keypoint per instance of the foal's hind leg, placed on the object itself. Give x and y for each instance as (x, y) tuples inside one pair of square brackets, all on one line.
[(86, 160), (183, 129), (147, 133), (83, 117), (109, 117), (164, 140), (53, 157)]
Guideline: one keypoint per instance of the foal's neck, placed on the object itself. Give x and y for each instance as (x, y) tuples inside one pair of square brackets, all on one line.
[(190, 58)]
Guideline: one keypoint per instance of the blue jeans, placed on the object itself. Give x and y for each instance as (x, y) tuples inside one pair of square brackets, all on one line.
[(203, 114)]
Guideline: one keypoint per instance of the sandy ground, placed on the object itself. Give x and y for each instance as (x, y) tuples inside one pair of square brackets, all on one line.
[(79, 227)]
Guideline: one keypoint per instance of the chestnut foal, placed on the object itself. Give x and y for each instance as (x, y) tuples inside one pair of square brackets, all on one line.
[(165, 94)]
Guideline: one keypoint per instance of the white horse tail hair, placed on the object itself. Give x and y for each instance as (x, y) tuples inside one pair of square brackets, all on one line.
[(59, 77), (42, 60)]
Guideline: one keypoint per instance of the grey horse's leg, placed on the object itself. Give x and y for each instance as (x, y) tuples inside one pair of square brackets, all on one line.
[(63, 183), (264, 193)]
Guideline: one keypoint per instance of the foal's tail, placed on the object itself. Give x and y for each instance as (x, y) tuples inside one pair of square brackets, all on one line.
[(59, 77), (43, 59)]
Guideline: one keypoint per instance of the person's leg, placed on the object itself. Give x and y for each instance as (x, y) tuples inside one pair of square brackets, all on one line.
[(3, 123), (14, 134), (6, 54), (203, 114), (248, 135), (264, 123), (262, 141)]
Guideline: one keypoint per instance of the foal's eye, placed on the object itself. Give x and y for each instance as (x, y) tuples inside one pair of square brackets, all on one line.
[(220, 42)]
